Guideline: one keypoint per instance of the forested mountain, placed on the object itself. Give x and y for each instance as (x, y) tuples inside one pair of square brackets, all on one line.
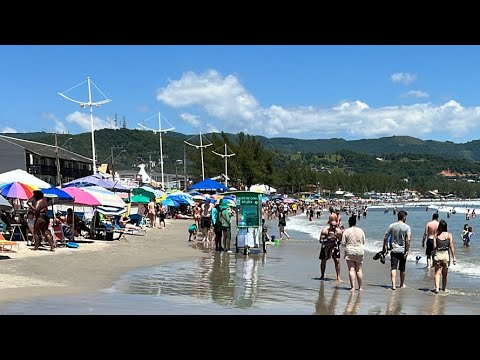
[(292, 165)]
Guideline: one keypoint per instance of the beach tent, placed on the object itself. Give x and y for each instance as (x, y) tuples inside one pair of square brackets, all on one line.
[(22, 177), (208, 185)]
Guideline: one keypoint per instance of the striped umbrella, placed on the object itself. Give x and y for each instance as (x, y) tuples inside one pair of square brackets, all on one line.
[(17, 190)]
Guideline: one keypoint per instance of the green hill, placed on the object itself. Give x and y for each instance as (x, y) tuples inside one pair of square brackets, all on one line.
[(291, 164)]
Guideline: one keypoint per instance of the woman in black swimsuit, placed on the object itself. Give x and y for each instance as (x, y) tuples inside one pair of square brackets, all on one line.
[(39, 206)]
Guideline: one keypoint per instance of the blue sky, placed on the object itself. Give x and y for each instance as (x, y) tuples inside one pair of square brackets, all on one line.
[(306, 92)]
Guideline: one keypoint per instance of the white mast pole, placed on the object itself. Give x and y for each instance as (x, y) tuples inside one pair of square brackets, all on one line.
[(91, 127), (90, 104), (160, 131), (225, 156)]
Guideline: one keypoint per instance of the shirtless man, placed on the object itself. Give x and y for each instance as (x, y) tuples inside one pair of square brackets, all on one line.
[(332, 217), (330, 238), (429, 233)]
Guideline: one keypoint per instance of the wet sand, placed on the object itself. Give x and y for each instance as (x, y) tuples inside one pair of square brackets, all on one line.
[(377, 298), (25, 273)]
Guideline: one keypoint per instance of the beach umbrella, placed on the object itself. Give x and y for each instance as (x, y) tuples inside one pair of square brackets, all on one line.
[(110, 210), (198, 197), (104, 196), (157, 193), (208, 185), (81, 197), (23, 177), (228, 202), (144, 192), (4, 204), (182, 198), (140, 199), (170, 202), (96, 180), (17, 190), (57, 195)]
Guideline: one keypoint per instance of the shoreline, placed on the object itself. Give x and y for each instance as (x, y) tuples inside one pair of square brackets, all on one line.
[(34, 276), (28, 274)]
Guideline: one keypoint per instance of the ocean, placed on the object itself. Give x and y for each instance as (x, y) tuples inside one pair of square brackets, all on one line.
[(285, 279)]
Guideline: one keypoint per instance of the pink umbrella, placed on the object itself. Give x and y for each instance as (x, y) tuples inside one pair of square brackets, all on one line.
[(82, 197)]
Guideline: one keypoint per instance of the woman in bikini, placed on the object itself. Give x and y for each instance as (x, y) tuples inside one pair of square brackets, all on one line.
[(443, 245), (196, 214), (39, 206)]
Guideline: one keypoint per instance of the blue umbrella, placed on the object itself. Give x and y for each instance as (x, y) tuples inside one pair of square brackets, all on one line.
[(170, 202), (208, 185), (57, 195)]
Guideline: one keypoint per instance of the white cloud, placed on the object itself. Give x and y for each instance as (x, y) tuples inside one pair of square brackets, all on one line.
[(83, 121), (190, 119), (8, 129), (221, 99), (59, 124), (403, 78), (416, 94)]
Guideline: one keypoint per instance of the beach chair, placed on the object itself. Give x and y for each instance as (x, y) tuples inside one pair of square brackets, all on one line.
[(59, 238), (4, 242), (119, 229)]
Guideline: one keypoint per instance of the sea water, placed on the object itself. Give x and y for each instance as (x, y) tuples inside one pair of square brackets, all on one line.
[(284, 280)]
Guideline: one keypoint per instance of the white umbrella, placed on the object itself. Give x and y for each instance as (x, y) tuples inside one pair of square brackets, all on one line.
[(4, 204), (23, 177)]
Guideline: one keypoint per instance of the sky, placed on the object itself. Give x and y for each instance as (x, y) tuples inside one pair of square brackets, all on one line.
[(299, 91)]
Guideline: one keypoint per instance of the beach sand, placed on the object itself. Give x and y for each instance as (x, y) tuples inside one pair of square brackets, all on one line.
[(25, 273)]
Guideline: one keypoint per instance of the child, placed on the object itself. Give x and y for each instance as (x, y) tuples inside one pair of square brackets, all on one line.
[(211, 234), (265, 236), (467, 237), (192, 230), (463, 233)]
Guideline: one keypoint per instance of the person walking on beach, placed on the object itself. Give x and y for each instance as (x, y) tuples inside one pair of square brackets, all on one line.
[(353, 239), (39, 205), (282, 222), (428, 235), (401, 237), (151, 212), (330, 238), (443, 245)]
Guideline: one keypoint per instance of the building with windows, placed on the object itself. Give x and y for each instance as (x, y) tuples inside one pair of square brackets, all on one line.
[(40, 160)]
